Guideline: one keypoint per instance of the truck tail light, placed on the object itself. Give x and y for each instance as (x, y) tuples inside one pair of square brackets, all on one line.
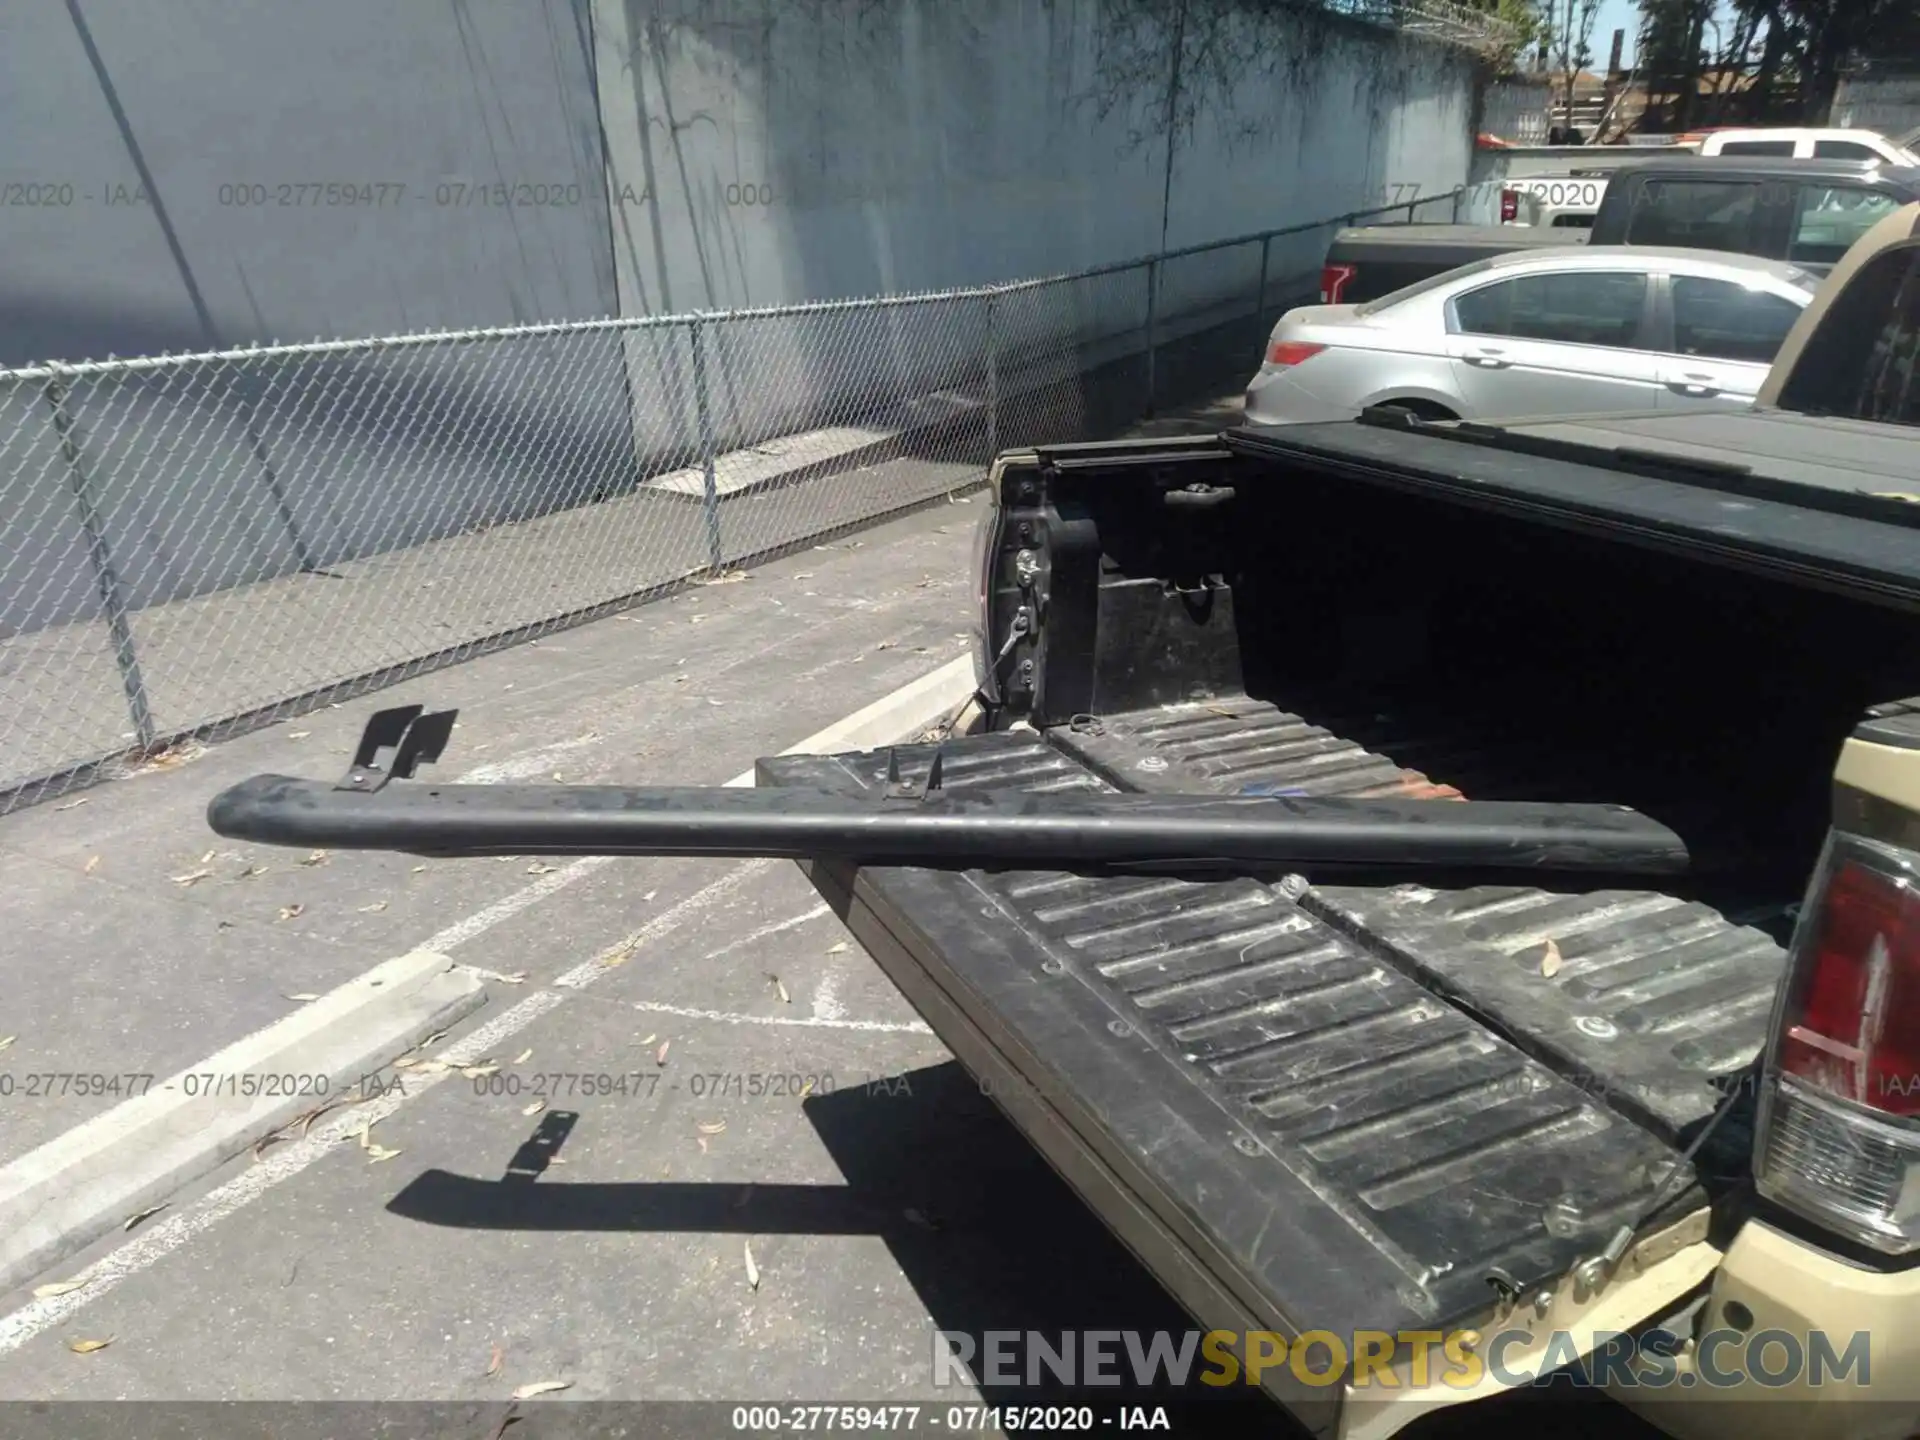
[(1282, 353), (1839, 1125), (1509, 206), (1333, 282)]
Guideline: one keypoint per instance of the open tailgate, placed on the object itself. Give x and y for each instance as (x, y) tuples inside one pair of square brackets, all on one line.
[(1291, 1131)]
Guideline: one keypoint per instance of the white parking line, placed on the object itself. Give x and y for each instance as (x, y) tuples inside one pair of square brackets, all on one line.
[(525, 767), (169, 1235), (778, 927), (815, 1022), (506, 908)]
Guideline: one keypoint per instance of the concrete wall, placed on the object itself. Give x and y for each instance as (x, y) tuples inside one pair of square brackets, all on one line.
[(1888, 103), (187, 145), (770, 151), (763, 152), (207, 173)]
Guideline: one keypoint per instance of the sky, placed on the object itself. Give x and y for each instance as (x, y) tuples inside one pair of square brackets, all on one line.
[(1614, 15), (1625, 15)]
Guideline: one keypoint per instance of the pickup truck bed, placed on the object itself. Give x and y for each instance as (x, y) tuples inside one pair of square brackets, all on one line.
[(1346, 1102)]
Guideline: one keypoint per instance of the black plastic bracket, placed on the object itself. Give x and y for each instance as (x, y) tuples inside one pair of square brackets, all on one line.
[(406, 736), (902, 789)]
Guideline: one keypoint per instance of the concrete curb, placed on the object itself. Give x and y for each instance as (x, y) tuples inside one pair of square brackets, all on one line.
[(892, 719), (68, 1193)]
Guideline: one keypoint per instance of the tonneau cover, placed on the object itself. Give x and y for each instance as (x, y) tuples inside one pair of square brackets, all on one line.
[(1655, 480)]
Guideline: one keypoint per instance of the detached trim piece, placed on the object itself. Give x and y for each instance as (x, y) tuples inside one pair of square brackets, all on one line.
[(926, 825)]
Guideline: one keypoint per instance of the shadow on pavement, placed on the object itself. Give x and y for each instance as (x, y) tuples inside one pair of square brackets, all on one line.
[(989, 1237)]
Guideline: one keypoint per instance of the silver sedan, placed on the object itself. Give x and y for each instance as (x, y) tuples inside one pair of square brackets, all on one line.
[(1584, 330)]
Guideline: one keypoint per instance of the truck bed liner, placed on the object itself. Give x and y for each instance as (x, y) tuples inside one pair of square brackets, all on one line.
[(1288, 1129), (1656, 1002)]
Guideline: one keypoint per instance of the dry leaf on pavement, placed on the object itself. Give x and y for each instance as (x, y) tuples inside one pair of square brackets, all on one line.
[(318, 857), (498, 1359), (479, 1072), (541, 1387), (73, 804), (649, 1040), (1550, 962), (418, 868), (753, 1270), (298, 734), (539, 868), (61, 1287), (304, 995), (146, 1214), (291, 912), (836, 949), (377, 1153), (87, 1347), (712, 1127), (780, 990), (6, 1040), (374, 909), (192, 877), (523, 1057), (535, 1108), (660, 1055), (251, 871)]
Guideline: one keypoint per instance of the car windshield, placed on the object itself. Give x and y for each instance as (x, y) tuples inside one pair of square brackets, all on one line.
[(1421, 287)]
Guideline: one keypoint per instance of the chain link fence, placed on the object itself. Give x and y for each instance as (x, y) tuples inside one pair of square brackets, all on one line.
[(199, 544)]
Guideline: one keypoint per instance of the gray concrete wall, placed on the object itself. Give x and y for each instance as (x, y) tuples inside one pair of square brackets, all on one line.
[(1888, 103), (208, 173), (201, 174), (763, 152), (188, 145)]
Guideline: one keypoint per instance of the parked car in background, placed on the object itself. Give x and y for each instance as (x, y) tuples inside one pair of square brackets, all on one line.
[(1805, 212), (1564, 331), (1805, 144)]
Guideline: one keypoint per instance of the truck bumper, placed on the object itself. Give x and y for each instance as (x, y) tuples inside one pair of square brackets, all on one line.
[(1854, 1332)]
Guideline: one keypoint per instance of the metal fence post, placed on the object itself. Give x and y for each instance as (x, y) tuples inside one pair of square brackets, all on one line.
[(710, 490), (112, 598), (993, 380), (1260, 302), (1153, 312)]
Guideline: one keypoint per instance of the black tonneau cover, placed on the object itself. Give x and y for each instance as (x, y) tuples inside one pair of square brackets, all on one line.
[(1651, 481)]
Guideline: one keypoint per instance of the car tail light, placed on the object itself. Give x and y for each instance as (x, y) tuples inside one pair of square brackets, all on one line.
[(1509, 206), (1838, 1140), (1291, 352), (1333, 282)]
